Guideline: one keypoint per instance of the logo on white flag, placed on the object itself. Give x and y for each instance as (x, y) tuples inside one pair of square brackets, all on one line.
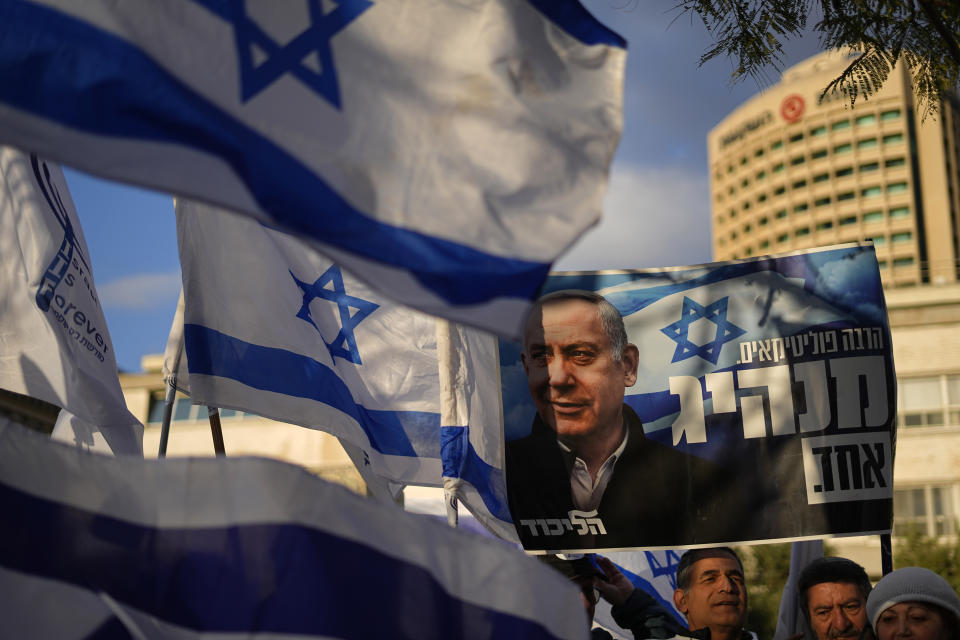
[(715, 312), (330, 287)]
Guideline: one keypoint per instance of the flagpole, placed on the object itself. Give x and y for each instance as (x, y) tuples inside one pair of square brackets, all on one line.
[(886, 554), (167, 414), (213, 414)]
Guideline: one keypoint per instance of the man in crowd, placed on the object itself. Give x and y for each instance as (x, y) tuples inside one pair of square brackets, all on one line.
[(587, 476), (833, 597)]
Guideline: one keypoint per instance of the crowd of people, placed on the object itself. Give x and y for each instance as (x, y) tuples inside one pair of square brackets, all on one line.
[(835, 595)]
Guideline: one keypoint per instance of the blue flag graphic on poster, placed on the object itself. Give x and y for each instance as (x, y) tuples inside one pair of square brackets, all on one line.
[(444, 155), (763, 386)]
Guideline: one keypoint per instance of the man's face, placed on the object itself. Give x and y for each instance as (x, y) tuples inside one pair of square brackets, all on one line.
[(837, 610), (576, 384), (717, 597)]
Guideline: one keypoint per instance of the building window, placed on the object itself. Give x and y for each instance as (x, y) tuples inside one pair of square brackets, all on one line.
[(848, 220), (761, 175), (927, 509), (879, 241), (822, 202), (873, 216), (729, 168), (818, 131), (893, 114), (763, 221), (900, 212), (893, 138), (898, 238), (866, 143), (798, 160), (841, 124), (764, 244), (799, 184), (778, 167), (797, 137), (896, 187), (747, 228), (843, 148), (894, 162), (882, 264), (902, 262), (733, 235), (803, 206), (185, 411), (802, 231), (781, 214), (846, 171), (872, 192), (821, 177), (776, 145), (744, 183), (762, 197), (820, 153), (746, 206), (924, 402), (823, 226), (758, 153), (743, 160), (846, 195), (870, 166), (866, 119), (779, 190), (783, 237)]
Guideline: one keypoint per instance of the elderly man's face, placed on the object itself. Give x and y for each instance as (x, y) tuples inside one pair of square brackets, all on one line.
[(575, 382), (837, 610), (717, 597)]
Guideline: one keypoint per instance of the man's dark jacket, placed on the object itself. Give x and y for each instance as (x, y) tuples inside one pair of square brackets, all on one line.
[(657, 496)]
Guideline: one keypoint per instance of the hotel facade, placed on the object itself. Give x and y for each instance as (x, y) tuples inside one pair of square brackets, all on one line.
[(791, 170)]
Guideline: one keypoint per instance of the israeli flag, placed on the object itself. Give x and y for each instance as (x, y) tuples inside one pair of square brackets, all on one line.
[(655, 572), (273, 327), (445, 153), (245, 547)]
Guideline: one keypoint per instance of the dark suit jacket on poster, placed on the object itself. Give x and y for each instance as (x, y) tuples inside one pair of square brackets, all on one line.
[(657, 496)]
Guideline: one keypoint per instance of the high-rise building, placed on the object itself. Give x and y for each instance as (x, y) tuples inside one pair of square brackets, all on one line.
[(790, 170)]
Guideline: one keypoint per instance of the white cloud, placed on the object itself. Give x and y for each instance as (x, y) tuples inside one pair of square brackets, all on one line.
[(653, 217), (141, 291)]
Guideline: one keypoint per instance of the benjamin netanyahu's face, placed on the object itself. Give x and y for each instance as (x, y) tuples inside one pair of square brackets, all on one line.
[(576, 384), (717, 597), (837, 610)]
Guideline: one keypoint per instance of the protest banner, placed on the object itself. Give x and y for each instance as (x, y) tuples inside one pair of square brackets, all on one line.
[(758, 403), (54, 342), (445, 155)]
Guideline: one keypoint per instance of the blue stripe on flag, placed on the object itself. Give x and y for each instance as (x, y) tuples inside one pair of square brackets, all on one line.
[(460, 460), (269, 578), (95, 82), (212, 353), (573, 18), (646, 586)]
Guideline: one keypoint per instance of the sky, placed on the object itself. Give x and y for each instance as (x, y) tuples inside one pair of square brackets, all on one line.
[(656, 212)]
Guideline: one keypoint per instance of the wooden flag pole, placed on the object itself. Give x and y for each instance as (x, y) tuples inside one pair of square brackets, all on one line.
[(214, 415)]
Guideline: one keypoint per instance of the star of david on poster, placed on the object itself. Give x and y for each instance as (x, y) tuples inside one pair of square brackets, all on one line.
[(330, 287), (715, 312), (307, 56)]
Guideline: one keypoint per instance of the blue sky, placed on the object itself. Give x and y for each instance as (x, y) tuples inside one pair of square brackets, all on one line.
[(657, 211)]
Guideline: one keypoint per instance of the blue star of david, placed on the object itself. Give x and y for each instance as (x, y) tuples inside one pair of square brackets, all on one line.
[(668, 568), (252, 39), (345, 344), (715, 312)]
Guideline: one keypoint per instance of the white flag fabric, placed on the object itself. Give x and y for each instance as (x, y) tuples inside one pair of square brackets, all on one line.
[(790, 617), (275, 328), (446, 153), (472, 431), (54, 343), (236, 548), (655, 572)]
